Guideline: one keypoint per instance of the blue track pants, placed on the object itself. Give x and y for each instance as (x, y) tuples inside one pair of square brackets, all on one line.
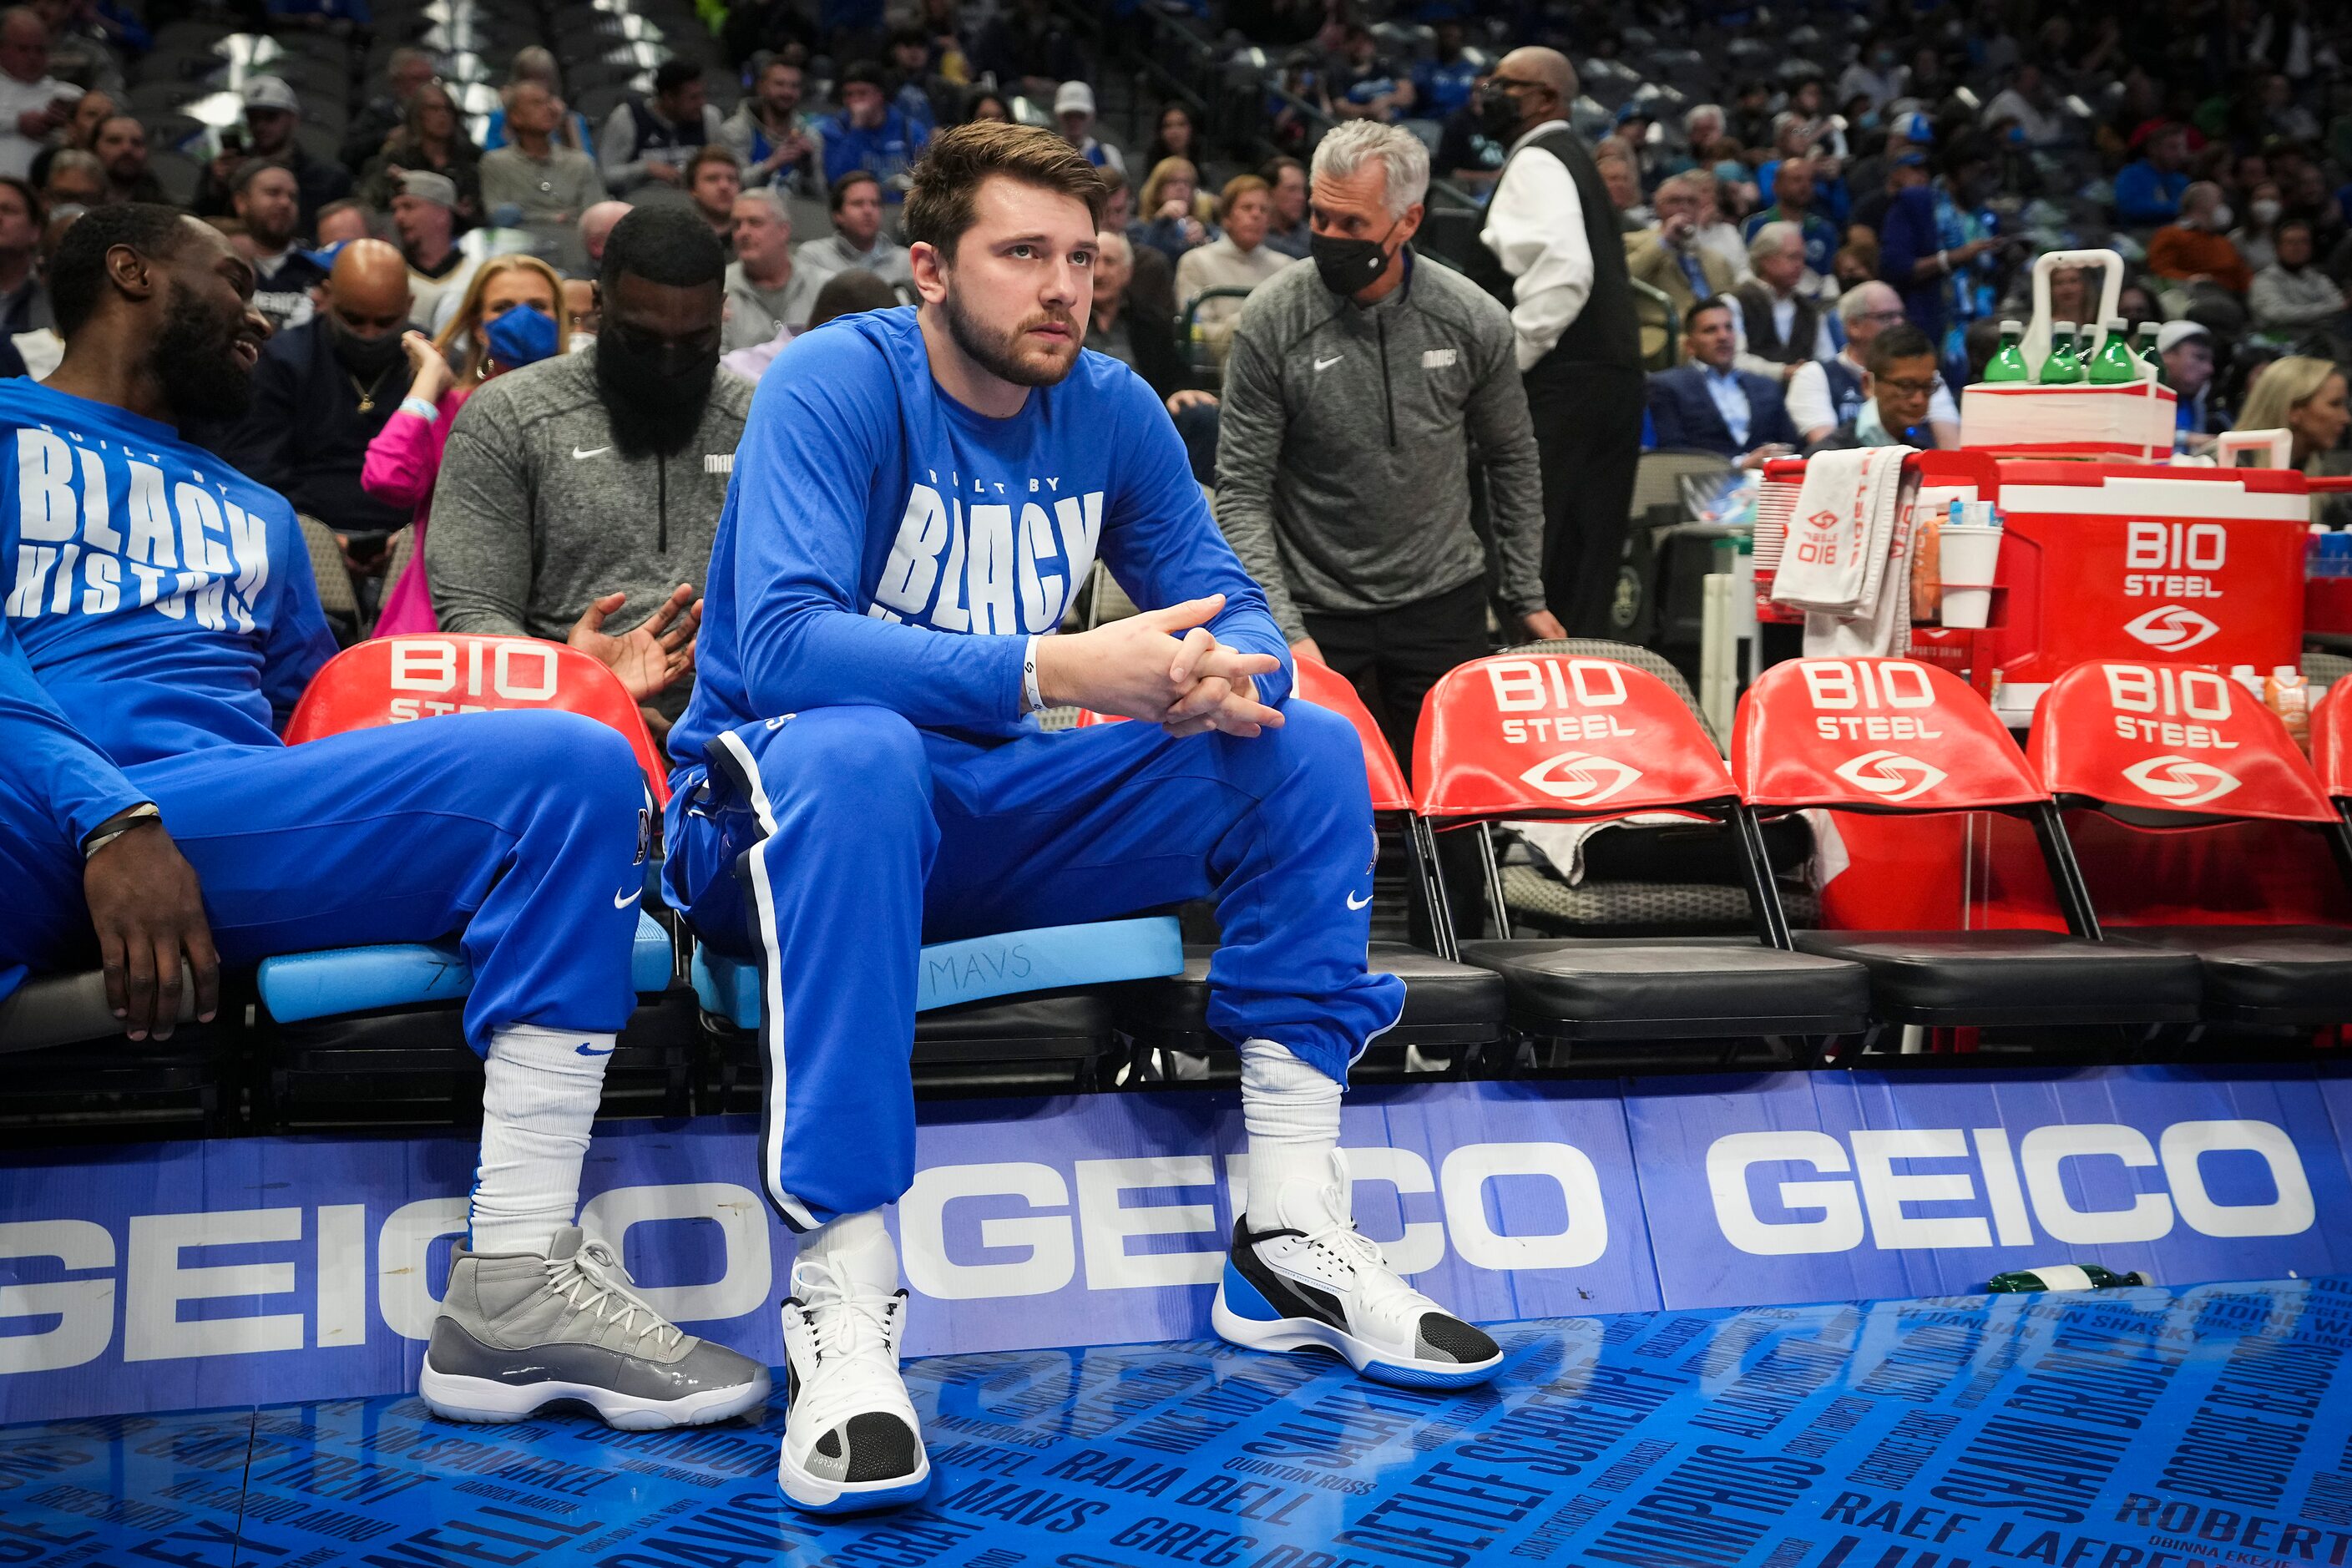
[(830, 845)]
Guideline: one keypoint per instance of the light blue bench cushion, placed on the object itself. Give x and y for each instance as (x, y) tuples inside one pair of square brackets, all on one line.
[(973, 970), (343, 980)]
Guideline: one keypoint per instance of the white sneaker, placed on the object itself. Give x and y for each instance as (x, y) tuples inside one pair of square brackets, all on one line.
[(1314, 1281), (852, 1441)]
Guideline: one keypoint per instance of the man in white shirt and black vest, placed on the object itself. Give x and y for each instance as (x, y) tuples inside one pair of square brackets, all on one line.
[(1554, 257)]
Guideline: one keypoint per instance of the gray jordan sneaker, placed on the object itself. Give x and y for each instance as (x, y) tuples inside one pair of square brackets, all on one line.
[(519, 1331)]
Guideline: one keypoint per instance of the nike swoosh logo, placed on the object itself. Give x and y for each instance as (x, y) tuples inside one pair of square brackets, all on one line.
[(586, 1052), (1323, 365), (1355, 903), (623, 900), (591, 452)]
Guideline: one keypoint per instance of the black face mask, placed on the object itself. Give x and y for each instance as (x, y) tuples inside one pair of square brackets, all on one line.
[(1348, 266), (1498, 112), (367, 358), (654, 392)]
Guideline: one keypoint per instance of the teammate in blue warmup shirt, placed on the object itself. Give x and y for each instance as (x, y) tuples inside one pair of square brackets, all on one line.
[(918, 494), (160, 620)]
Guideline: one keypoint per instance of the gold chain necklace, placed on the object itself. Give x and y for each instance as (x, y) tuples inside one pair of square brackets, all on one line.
[(366, 395)]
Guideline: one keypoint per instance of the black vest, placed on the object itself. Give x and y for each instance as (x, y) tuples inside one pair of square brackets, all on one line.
[(654, 134), (1845, 389), (1764, 337), (1605, 331)]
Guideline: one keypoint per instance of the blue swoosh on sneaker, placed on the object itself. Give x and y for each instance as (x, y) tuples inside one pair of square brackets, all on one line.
[(585, 1051)]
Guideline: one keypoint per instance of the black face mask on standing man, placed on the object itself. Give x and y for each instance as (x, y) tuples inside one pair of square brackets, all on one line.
[(1348, 266), (1498, 112)]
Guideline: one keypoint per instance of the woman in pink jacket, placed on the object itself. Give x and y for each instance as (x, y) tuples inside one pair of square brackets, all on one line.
[(507, 320)]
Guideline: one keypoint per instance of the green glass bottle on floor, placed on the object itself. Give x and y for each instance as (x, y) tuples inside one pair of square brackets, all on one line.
[(2009, 361), (2115, 364), (2063, 367), (2062, 1276)]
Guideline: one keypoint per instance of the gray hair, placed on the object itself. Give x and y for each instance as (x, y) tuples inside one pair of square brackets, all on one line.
[(1856, 301), (1703, 110), (534, 62), (772, 197), (1346, 148), (1699, 183), (1113, 247), (1770, 239)]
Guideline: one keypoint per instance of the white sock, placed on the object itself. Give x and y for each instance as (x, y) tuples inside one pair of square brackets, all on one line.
[(1291, 1112), (857, 1244), (540, 1092)]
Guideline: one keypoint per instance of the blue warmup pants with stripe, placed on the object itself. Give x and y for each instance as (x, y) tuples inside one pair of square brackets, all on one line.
[(523, 829), (831, 845)]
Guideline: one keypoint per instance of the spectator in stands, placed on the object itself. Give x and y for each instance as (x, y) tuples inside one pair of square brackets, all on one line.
[(1552, 253), (23, 299), (2186, 349), (593, 480), (1350, 507), (844, 294), (767, 292), (2292, 297), (1856, 263), (856, 239), (536, 64), (870, 135), (1668, 259), (1716, 233), (1711, 404), (1170, 221), (402, 461), (323, 392), (1828, 392), (1238, 258), (121, 146), (1778, 328), (425, 217), (1468, 155), (90, 110), (1443, 84), (2150, 188), (533, 178), (1287, 232), (2195, 247), (1932, 241), (74, 178), (2030, 103), (1899, 386), (1178, 135), (778, 143), (34, 104), (1027, 49), (1630, 135), (271, 112), (713, 180), (986, 103), (405, 71), (597, 225), (432, 139), (1133, 309), (1365, 83), (648, 141), (1793, 191), (1877, 75), (2257, 237), (1074, 112), (2305, 397), (269, 203)]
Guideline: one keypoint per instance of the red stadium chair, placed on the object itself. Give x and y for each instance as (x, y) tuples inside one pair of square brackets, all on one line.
[(1451, 1009), (1550, 736), (2160, 746), (394, 680), (1892, 736)]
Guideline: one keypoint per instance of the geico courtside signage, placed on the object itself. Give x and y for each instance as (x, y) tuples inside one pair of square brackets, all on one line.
[(200, 1274)]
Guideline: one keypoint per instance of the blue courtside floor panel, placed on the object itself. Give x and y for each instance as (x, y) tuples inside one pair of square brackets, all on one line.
[(2142, 1428)]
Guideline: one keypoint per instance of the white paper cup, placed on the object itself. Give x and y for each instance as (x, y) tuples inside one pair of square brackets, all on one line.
[(1968, 554)]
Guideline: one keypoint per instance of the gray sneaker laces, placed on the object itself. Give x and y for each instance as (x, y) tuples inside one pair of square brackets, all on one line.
[(593, 1280)]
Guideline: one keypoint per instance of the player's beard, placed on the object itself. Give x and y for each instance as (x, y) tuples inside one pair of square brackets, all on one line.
[(194, 361), (998, 352)]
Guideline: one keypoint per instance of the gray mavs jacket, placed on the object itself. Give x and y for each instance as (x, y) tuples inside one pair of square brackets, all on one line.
[(1343, 446), (536, 512)]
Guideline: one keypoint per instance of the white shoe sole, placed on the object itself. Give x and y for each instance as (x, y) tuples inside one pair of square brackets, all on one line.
[(1369, 1360), (813, 1494), (482, 1400)]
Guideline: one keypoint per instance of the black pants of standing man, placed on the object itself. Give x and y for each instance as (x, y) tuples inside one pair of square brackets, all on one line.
[(1392, 658), (1588, 421)]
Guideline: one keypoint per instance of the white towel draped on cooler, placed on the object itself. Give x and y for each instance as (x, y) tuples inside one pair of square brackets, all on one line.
[(1842, 562)]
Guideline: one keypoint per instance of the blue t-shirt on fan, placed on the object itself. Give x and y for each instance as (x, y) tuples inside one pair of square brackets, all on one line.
[(157, 601), (870, 514)]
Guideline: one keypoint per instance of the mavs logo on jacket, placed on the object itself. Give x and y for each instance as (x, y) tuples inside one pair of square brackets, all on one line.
[(988, 557)]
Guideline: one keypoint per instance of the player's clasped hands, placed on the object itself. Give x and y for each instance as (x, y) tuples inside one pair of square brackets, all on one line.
[(1162, 666)]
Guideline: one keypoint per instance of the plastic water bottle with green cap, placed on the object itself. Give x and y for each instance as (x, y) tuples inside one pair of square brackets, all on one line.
[(2062, 1276), (2114, 365), (2063, 367), (2146, 349), (2009, 361)]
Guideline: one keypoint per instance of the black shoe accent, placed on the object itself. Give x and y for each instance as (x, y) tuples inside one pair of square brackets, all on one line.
[(830, 1443), (1451, 1337), (1285, 1295), (881, 1447)]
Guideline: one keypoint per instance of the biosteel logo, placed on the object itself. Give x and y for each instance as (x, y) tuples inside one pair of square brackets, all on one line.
[(1579, 778), (1891, 775), (2171, 627), (2180, 781)]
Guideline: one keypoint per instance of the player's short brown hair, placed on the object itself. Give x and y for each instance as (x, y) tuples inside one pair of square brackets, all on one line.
[(949, 175)]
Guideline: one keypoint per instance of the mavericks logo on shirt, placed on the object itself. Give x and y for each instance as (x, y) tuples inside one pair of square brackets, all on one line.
[(989, 556), (128, 536)]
